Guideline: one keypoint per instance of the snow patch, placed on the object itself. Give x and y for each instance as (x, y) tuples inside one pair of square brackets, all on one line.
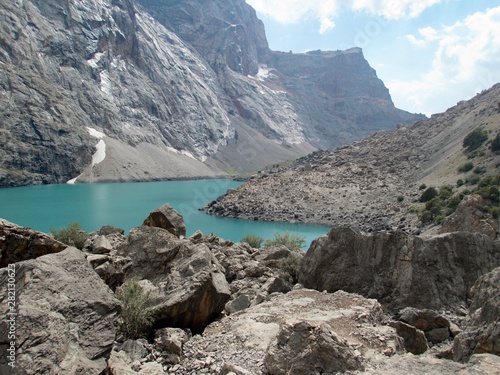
[(263, 72), (95, 133), (93, 62), (100, 154), (188, 154), (72, 181), (105, 85)]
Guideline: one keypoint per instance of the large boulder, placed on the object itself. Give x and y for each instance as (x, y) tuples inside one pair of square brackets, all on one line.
[(65, 321), (398, 269), (166, 217), (188, 289), (482, 331), (19, 243)]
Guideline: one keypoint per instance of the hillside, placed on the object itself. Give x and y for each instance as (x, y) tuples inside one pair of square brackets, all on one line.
[(129, 90), (376, 183)]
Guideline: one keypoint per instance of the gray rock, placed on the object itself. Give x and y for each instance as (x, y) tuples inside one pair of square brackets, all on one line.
[(171, 339), (424, 320), (437, 335), (190, 286), (305, 348), (135, 349), (19, 243), (101, 245), (276, 285), (482, 327), (414, 340), (166, 217), (398, 269), (239, 303), (66, 314)]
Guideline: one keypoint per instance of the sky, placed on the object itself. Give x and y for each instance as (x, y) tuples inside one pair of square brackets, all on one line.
[(430, 54)]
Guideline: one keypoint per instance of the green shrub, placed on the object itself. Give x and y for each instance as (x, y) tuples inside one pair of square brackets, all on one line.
[(479, 170), (466, 167), (426, 217), (422, 187), (475, 139), (253, 240), (460, 182), (495, 144), (73, 235), (290, 241), (290, 267), (446, 191), (134, 320), (401, 198), (428, 194)]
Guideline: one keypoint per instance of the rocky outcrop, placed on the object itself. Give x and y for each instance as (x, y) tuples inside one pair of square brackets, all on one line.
[(65, 315), (398, 269), (469, 217), (167, 218), (482, 332), (19, 243)]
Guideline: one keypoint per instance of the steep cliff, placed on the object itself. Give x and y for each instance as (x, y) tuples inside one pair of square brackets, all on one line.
[(124, 90)]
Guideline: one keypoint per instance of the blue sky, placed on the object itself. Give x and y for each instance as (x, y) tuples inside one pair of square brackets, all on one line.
[(429, 53)]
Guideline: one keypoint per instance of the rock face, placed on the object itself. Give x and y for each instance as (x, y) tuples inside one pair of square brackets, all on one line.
[(19, 243), (398, 269), (65, 321), (482, 332), (124, 90)]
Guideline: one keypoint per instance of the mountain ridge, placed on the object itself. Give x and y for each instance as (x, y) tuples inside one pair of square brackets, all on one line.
[(197, 88)]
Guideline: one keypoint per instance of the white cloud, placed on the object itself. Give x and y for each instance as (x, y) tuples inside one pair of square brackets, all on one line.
[(466, 57), (325, 11)]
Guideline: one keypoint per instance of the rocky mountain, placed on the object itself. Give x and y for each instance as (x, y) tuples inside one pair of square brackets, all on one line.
[(378, 182), (103, 90)]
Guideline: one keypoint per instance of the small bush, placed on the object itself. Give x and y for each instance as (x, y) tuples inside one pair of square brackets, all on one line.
[(73, 235), (401, 198), (135, 320), (446, 191), (479, 170), (495, 143), (426, 217), (428, 194), (253, 240), (475, 139), (290, 267), (466, 167), (422, 187), (460, 182), (290, 241)]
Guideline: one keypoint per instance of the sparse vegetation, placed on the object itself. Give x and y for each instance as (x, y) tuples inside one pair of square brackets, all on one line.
[(466, 167), (73, 235), (290, 267), (495, 143), (401, 198), (290, 241), (135, 320), (475, 139), (253, 240), (428, 194)]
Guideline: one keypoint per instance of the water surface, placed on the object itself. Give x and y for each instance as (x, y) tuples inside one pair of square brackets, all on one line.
[(126, 205)]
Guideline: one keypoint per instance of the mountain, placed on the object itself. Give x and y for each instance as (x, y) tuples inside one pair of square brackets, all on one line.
[(119, 90), (379, 182)]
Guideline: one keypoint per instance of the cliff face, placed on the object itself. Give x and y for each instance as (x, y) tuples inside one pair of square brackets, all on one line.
[(171, 89)]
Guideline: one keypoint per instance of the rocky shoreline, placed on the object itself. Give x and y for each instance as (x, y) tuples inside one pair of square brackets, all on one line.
[(222, 308)]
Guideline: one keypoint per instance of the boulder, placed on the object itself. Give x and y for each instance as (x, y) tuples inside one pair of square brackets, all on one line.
[(166, 217), (190, 288), (482, 326), (66, 314), (399, 269), (306, 348), (414, 340), (19, 243), (435, 327), (171, 340), (469, 217), (101, 245)]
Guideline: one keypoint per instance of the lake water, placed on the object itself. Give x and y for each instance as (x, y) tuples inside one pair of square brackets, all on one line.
[(126, 205)]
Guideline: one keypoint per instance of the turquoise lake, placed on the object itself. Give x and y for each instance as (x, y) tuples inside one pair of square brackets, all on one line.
[(126, 205)]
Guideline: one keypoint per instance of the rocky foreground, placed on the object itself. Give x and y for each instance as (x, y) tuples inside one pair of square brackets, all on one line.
[(383, 303)]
